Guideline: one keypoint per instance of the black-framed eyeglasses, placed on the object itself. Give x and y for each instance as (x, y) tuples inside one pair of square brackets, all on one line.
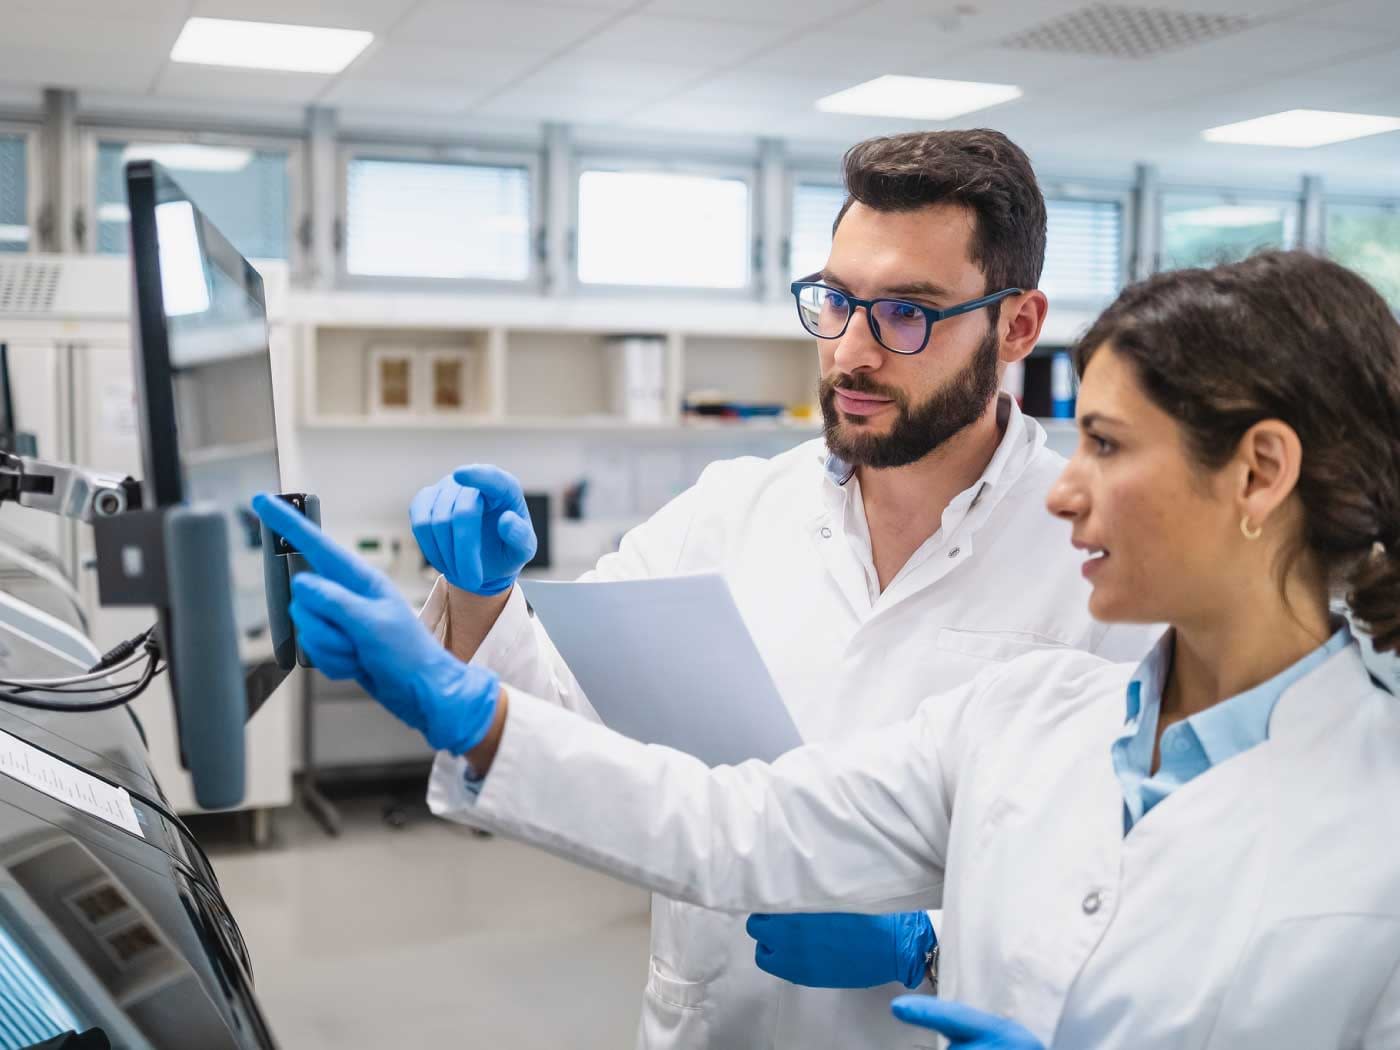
[(898, 325)]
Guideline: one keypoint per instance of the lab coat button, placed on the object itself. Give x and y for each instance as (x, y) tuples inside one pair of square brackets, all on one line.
[(955, 552), (1092, 902), (826, 533)]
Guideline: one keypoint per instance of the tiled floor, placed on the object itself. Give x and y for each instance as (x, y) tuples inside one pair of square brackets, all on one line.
[(427, 936)]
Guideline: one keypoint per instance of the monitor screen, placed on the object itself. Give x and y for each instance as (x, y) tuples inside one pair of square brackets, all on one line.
[(205, 382)]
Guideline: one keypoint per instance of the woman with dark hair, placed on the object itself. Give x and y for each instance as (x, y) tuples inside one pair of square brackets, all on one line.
[(1202, 851)]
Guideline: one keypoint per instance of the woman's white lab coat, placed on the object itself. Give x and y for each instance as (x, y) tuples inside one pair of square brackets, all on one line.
[(1258, 907)]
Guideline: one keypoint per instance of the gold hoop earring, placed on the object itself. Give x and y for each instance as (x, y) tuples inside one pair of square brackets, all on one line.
[(1250, 534)]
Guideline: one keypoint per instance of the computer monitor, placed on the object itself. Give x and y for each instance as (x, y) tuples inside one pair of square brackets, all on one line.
[(204, 387)]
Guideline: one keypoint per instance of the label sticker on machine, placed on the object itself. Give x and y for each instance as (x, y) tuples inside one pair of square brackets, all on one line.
[(67, 783)]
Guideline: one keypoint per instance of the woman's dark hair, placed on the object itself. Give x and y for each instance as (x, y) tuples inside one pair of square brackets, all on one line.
[(980, 169), (1292, 337)]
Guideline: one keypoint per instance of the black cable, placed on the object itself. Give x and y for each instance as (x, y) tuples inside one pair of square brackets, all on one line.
[(122, 650), (99, 705), (10, 689)]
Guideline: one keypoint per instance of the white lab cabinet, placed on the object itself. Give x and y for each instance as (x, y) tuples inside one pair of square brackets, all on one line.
[(73, 386)]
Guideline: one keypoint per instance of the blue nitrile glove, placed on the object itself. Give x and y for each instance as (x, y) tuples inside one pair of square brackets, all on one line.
[(473, 527), (353, 624), (836, 950), (966, 1028)]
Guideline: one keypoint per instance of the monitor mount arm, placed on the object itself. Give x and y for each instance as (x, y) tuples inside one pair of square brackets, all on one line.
[(66, 490)]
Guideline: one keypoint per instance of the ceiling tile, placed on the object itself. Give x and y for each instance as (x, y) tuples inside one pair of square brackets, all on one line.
[(551, 106), (963, 24), (853, 55), (373, 15), (707, 118), (119, 71), (763, 90), (1375, 16), (636, 81), (784, 12), (393, 95), (56, 32), (245, 85), (140, 10), (695, 41), (1276, 47), (398, 60), (482, 26)]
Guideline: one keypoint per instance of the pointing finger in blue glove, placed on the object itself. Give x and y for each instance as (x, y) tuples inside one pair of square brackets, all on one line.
[(353, 624), (966, 1028)]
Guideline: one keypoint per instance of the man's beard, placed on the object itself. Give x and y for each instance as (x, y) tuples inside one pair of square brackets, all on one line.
[(919, 430)]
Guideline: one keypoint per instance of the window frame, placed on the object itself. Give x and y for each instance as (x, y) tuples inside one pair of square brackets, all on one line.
[(355, 149), (1098, 190), (1052, 188), (804, 175), (33, 173), (1230, 195), (293, 145), (744, 169)]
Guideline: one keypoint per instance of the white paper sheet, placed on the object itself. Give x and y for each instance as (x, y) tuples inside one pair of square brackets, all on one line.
[(67, 783), (668, 661)]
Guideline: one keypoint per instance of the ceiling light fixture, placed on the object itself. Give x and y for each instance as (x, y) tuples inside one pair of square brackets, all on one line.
[(1302, 128), (917, 98), (268, 45)]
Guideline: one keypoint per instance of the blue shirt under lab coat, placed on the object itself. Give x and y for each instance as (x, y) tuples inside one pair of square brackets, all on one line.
[(1204, 740)]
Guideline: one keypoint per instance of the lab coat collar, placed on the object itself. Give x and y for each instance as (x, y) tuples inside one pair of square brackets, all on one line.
[(1150, 679), (1318, 702), (1021, 439)]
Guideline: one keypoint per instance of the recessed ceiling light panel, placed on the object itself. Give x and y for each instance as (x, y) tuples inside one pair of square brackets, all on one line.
[(917, 98), (1302, 128), (268, 45)]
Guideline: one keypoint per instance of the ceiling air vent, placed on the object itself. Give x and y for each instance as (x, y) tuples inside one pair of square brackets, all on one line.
[(1125, 32), (28, 287)]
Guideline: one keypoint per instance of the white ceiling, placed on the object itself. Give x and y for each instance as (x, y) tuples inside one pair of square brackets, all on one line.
[(752, 67)]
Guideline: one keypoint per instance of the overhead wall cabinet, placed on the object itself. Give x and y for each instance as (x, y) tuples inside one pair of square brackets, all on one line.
[(540, 364)]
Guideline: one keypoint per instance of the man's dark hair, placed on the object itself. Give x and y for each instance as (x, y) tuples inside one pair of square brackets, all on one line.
[(980, 169)]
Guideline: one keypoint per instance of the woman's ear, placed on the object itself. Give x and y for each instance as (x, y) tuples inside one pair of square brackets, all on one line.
[(1271, 457)]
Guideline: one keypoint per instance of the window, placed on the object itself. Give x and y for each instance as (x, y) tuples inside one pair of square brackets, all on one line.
[(1366, 238), (659, 229), (814, 210), (245, 192), (1083, 250), (437, 219), (1206, 229), (14, 194)]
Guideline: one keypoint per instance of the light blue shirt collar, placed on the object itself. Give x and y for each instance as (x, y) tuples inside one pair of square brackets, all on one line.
[(1201, 742)]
